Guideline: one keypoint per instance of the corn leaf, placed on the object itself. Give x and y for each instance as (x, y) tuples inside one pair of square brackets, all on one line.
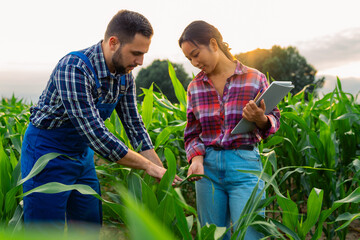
[(164, 134), (348, 217), (149, 197), (134, 186), (40, 165), (290, 212), (147, 106), (313, 211), (166, 210), (182, 223), (353, 197), (56, 187), (179, 89), (5, 170), (285, 229), (16, 222), (141, 222), (168, 178)]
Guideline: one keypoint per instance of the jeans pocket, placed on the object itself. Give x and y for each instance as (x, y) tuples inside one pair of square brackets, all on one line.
[(248, 155), (242, 160), (210, 157)]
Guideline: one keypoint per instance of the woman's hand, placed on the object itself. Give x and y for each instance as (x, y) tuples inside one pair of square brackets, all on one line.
[(253, 113), (196, 167)]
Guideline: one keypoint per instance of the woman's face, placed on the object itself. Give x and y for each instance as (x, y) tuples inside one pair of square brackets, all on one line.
[(201, 56)]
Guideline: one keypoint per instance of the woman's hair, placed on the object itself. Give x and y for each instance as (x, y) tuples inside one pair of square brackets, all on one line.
[(125, 24), (200, 32)]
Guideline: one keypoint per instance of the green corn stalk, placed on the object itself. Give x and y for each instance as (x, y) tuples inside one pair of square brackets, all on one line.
[(292, 222), (320, 133), (156, 216), (314, 133)]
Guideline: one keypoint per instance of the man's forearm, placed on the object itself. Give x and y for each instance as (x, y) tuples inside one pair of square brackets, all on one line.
[(135, 160), (152, 156)]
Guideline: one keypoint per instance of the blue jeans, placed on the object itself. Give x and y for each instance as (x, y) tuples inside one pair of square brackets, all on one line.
[(232, 188)]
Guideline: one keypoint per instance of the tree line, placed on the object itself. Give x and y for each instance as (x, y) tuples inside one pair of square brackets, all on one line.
[(281, 64)]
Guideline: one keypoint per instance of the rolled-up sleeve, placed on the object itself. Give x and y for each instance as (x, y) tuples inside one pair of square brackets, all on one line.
[(273, 116), (193, 144), (131, 119)]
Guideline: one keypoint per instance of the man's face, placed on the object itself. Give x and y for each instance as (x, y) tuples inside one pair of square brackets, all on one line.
[(130, 55)]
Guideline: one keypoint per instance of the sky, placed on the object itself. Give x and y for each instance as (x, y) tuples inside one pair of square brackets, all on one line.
[(35, 34)]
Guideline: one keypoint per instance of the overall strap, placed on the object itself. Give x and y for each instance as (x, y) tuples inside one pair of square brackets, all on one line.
[(123, 83), (88, 64)]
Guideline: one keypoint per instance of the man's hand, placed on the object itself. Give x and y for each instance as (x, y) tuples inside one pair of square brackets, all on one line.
[(196, 167), (155, 170), (253, 113), (158, 172), (135, 160)]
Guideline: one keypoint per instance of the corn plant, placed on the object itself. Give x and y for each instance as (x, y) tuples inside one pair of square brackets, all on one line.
[(293, 224), (319, 133), (314, 160), (148, 214), (14, 115)]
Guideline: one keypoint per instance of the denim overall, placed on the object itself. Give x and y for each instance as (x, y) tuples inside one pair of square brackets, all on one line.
[(53, 209)]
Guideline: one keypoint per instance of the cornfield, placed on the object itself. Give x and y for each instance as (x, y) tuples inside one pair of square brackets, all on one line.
[(311, 170)]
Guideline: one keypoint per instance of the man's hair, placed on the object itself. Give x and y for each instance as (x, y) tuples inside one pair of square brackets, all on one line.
[(125, 24)]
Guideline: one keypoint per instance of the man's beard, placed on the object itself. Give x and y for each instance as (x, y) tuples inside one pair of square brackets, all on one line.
[(117, 62)]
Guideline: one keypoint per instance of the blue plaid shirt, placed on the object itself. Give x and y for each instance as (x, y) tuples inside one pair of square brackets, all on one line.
[(71, 95)]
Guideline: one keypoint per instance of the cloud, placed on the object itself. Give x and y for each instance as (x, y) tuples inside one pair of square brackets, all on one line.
[(332, 50), (349, 85)]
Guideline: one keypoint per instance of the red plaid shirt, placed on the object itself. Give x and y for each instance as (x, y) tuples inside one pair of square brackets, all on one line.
[(211, 118)]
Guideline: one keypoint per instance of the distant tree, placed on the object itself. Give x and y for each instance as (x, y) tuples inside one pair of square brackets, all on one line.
[(158, 73), (283, 64)]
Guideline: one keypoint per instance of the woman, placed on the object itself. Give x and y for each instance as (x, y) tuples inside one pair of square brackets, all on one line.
[(218, 97)]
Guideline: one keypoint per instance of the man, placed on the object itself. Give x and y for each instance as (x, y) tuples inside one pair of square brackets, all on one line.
[(83, 90)]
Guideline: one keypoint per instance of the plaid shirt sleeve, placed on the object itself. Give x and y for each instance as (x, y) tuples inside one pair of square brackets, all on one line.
[(74, 90), (273, 116), (193, 144), (131, 119)]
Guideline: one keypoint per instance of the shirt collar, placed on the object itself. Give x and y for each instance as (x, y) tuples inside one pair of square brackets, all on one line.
[(99, 61), (100, 64), (239, 70)]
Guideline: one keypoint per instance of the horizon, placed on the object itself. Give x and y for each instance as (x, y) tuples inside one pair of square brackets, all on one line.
[(28, 85)]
